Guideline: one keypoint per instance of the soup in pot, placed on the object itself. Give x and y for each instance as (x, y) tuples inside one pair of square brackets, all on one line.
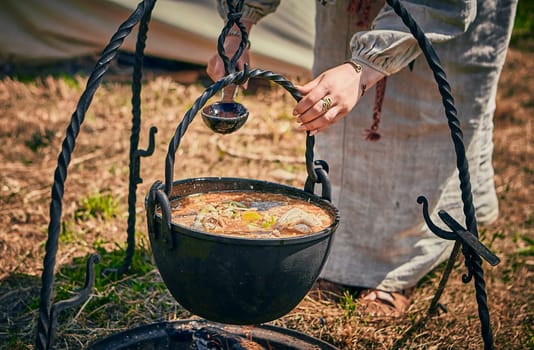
[(249, 214)]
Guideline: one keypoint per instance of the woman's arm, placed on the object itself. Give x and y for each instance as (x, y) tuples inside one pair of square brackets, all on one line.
[(389, 46), (381, 51)]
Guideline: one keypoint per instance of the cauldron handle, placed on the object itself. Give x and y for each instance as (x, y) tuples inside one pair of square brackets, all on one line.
[(321, 176), (157, 196), (315, 175)]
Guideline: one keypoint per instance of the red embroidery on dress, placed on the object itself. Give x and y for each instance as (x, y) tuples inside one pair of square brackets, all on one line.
[(361, 8), (372, 134)]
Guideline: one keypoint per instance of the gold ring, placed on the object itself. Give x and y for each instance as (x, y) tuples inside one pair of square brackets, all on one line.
[(327, 102)]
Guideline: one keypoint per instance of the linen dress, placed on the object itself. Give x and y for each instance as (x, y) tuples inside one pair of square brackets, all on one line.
[(382, 241)]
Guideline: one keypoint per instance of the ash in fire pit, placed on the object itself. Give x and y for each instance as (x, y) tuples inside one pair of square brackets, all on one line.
[(205, 335), (212, 338)]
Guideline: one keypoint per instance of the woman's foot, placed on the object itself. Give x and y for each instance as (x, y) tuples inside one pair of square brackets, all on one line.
[(333, 288), (377, 303), (373, 302)]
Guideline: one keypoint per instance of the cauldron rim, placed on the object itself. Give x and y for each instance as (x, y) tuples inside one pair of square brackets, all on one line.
[(229, 239)]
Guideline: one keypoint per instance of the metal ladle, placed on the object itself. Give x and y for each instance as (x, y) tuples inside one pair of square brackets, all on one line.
[(225, 116)]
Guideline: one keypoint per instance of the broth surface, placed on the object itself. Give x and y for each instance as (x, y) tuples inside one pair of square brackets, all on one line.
[(249, 214)]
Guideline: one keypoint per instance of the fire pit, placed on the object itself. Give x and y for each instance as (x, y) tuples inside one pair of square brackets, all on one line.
[(204, 335)]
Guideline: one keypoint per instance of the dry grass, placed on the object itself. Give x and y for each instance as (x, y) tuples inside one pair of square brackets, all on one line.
[(33, 121)]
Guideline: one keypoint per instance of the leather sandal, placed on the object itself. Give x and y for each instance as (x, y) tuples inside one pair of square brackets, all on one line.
[(378, 303), (328, 287), (334, 289)]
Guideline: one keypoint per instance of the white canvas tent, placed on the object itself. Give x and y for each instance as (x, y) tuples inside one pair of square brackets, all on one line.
[(39, 31)]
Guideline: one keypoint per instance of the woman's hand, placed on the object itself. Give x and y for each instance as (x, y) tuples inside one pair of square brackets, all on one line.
[(215, 68), (332, 95)]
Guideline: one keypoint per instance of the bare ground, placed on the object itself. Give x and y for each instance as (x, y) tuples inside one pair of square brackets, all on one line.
[(33, 122)]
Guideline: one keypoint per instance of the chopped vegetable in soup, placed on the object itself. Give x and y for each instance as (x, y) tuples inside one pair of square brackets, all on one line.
[(249, 214)]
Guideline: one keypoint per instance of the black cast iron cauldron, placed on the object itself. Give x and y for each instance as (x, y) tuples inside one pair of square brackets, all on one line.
[(236, 280)]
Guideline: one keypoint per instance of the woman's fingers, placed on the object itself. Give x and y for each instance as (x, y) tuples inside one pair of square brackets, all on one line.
[(310, 104), (306, 88), (311, 92), (322, 121), (211, 69), (241, 67), (328, 98), (215, 68), (316, 109)]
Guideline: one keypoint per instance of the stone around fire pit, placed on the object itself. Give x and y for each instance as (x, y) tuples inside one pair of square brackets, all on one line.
[(205, 335)]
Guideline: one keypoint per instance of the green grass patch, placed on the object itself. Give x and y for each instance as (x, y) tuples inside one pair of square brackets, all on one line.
[(137, 295), (528, 250), (524, 18), (523, 31), (68, 233), (39, 140), (348, 303), (97, 205)]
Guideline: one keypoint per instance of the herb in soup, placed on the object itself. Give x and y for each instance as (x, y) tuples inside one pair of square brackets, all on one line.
[(249, 214)]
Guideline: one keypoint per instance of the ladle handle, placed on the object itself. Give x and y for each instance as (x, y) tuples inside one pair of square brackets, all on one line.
[(229, 93)]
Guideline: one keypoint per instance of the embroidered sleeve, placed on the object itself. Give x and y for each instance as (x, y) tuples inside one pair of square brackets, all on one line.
[(252, 10), (389, 46)]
